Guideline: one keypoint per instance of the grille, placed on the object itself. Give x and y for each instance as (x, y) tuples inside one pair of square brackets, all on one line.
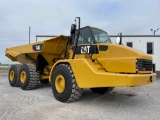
[(144, 65), (103, 48)]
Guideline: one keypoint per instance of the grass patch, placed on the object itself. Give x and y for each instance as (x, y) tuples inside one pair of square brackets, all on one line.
[(4, 68)]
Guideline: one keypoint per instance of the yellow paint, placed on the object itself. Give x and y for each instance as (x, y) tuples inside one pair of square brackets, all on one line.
[(42, 77), (114, 67), (23, 77), (120, 51), (140, 79), (124, 65), (90, 75), (51, 49), (11, 75), (60, 83)]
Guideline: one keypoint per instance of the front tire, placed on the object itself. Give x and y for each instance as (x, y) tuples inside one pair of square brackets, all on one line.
[(13, 75), (64, 86), (103, 90), (29, 77)]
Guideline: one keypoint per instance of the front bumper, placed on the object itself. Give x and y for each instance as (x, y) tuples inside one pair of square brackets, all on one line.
[(140, 79)]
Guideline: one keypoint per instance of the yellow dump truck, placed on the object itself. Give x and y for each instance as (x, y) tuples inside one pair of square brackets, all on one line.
[(85, 59)]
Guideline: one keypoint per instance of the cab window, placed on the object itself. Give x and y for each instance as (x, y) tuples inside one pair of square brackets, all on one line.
[(85, 36), (100, 36)]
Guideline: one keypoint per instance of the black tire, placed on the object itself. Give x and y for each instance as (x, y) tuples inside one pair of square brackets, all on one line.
[(13, 75), (28, 77), (103, 90), (71, 91), (45, 81)]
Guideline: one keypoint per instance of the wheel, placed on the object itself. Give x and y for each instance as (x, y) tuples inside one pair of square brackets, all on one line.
[(13, 75), (29, 77), (45, 81), (103, 90), (64, 86)]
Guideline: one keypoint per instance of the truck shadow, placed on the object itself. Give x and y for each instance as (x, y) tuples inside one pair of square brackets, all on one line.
[(115, 98), (42, 86)]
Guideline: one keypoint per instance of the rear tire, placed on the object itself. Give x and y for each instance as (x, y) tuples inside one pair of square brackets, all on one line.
[(28, 77), (103, 90), (64, 86), (13, 75)]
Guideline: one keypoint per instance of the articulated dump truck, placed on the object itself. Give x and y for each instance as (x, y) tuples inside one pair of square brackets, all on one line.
[(85, 59)]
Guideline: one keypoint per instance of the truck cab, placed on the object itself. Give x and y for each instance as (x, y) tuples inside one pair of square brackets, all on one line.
[(92, 35)]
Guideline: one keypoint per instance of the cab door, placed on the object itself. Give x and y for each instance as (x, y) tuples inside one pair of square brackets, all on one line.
[(85, 43)]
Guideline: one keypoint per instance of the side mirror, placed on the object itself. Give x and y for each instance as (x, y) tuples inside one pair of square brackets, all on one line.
[(73, 29), (118, 40)]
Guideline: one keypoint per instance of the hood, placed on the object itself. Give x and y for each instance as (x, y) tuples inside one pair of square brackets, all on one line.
[(118, 51)]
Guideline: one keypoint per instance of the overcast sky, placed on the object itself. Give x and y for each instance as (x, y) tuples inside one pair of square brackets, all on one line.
[(54, 17)]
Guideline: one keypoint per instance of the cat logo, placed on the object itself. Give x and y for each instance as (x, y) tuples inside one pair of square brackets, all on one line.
[(85, 49), (37, 47), (90, 49)]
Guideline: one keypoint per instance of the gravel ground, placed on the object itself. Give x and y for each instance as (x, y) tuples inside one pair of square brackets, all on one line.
[(140, 103), (4, 72)]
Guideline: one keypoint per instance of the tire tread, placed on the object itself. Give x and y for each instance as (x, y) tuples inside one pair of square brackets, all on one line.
[(76, 91), (33, 78)]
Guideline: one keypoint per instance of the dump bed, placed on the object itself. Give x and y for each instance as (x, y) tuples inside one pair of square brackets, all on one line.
[(49, 49)]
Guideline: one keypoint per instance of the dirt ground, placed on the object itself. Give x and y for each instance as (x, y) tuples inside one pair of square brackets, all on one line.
[(140, 103)]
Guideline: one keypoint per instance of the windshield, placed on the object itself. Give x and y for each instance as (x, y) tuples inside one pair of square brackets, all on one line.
[(100, 36)]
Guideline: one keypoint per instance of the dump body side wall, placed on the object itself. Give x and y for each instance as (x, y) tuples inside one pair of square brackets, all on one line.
[(49, 49)]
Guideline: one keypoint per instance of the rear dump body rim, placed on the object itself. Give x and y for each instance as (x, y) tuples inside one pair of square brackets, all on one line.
[(11, 75), (23, 76), (60, 83)]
